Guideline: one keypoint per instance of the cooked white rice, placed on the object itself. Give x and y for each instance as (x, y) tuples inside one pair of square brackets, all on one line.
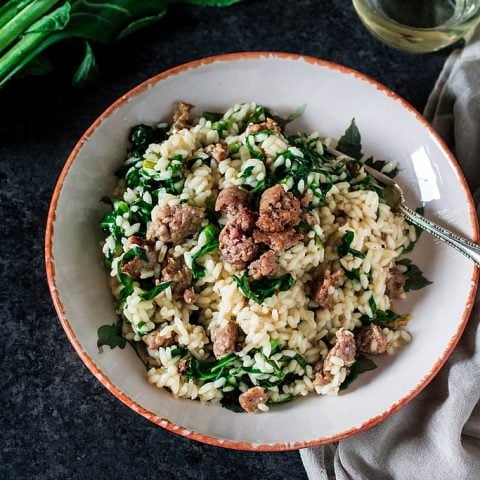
[(300, 333)]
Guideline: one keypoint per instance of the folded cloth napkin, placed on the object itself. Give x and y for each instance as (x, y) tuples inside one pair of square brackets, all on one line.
[(437, 435)]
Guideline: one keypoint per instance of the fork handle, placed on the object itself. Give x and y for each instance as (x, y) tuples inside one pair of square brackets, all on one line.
[(468, 248)]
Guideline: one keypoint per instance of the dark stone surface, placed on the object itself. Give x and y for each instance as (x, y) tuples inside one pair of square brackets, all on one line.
[(57, 421)]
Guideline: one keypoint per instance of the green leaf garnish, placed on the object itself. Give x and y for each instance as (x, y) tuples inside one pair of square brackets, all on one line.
[(344, 247), (415, 278), (259, 290), (151, 294), (211, 234), (351, 142), (362, 364), (111, 335)]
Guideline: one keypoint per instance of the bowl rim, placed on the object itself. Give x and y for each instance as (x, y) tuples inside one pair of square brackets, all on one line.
[(165, 423)]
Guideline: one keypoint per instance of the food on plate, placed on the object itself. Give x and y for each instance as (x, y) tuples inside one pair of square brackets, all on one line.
[(251, 267)]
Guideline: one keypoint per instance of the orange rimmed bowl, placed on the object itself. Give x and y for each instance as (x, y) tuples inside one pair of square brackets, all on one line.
[(391, 129)]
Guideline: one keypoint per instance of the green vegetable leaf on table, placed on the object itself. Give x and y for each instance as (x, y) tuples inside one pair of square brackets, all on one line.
[(28, 27)]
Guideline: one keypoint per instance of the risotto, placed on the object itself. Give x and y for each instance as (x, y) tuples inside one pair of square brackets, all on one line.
[(251, 267)]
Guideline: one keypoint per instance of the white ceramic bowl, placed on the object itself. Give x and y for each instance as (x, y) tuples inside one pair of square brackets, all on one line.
[(390, 128)]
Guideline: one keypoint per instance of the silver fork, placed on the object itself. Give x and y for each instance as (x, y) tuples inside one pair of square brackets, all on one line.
[(393, 196)]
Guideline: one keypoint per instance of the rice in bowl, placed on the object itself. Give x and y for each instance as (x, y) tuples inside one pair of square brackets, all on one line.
[(251, 267)]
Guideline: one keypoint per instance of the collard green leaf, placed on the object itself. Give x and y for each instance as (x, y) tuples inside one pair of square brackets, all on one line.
[(104, 21), (54, 22), (10, 9), (87, 72), (351, 142), (362, 364), (415, 278), (42, 34), (111, 335)]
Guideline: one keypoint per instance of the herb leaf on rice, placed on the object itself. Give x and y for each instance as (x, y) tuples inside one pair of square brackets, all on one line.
[(212, 219)]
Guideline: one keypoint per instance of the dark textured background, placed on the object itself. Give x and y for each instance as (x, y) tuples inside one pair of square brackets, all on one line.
[(57, 421)]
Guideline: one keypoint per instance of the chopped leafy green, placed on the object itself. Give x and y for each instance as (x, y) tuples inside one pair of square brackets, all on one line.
[(353, 274), (259, 290), (415, 278), (351, 142), (178, 352), (344, 247), (141, 136), (362, 364), (206, 371), (125, 279), (247, 172), (381, 317), (212, 116), (111, 335), (300, 360), (234, 147), (211, 237), (368, 183), (151, 294), (283, 122), (274, 345)]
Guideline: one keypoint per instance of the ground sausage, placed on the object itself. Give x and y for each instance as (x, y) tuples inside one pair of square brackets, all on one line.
[(345, 348), (181, 115), (252, 398), (268, 124), (175, 224), (182, 365), (266, 266), (235, 240), (372, 340), (217, 151), (154, 340), (224, 339), (176, 270), (278, 210), (280, 241), (320, 290), (395, 284), (137, 265), (231, 200)]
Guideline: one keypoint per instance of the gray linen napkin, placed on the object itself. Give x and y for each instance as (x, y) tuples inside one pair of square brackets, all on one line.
[(437, 435)]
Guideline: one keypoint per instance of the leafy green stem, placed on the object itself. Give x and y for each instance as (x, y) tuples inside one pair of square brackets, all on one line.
[(24, 19), (10, 9), (35, 39)]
